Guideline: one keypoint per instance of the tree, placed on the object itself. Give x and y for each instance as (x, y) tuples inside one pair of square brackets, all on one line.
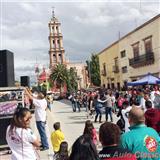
[(59, 75), (94, 70), (72, 80)]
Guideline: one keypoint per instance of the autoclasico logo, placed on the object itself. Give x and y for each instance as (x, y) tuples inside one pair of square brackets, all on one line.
[(151, 144), (147, 155)]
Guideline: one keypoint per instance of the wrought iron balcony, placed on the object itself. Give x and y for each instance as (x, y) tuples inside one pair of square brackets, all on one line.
[(142, 60), (103, 73), (115, 69)]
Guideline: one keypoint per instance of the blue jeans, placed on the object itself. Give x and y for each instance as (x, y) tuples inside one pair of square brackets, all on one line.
[(73, 106), (108, 111), (42, 132)]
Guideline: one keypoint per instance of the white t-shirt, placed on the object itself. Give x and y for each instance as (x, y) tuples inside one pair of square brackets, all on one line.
[(20, 142), (124, 111), (40, 109)]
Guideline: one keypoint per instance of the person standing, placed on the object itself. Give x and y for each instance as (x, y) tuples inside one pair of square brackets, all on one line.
[(108, 105), (152, 116), (84, 149), (91, 131), (109, 136), (20, 137), (40, 104), (57, 137), (141, 140), (125, 111), (62, 154)]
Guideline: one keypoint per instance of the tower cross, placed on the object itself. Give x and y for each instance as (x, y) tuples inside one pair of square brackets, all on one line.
[(53, 15)]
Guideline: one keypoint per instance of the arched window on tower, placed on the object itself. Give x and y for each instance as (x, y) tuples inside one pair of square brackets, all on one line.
[(58, 43), (53, 44), (60, 58), (54, 58), (53, 30)]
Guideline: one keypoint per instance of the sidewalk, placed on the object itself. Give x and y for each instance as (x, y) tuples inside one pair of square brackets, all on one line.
[(72, 125)]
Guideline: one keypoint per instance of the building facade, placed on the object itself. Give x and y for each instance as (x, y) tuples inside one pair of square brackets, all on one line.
[(82, 73), (109, 66), (135, 54), (56, 50), (142, 52)]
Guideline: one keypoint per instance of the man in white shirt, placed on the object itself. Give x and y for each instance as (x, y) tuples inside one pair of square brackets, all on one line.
[(40, 104), (125, 112)]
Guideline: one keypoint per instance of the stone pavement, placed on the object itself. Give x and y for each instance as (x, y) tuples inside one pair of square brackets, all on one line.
[(72, 125)]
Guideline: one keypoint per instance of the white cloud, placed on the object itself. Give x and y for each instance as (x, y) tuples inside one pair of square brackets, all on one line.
[(87, 27), (28, 7)]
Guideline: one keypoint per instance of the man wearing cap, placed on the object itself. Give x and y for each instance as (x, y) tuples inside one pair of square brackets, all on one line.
[(141, 140)]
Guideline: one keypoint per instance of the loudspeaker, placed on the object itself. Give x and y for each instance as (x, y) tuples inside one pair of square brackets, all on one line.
[(6, 68), (25, 81), (5, 122)]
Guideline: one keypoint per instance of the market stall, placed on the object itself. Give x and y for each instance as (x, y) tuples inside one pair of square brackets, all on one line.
[(146, 80), (10, 98)]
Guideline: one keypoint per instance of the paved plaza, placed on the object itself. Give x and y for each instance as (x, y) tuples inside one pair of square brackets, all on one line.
[(72, 124)]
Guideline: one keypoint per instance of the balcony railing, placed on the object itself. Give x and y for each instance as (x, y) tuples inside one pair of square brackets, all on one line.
[(142, 60), (103, 73), (115, 69)]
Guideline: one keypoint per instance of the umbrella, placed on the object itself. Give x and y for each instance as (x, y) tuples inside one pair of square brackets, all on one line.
[(148, 79)]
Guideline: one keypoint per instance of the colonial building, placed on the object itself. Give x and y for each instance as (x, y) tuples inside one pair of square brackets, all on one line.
[(82, 73), (56, 50), (135, 54), (109, 66)]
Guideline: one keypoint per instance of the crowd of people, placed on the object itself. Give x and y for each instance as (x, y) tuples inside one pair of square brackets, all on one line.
[(136, 135)]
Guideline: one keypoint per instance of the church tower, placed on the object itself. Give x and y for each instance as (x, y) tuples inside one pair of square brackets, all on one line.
[(56, 50)]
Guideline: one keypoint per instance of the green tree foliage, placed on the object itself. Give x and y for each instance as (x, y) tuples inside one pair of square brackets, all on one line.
[(59, 75), (72, 80), (94, 70)]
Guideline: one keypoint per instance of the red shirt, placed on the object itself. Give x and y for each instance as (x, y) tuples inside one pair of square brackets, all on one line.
[(152, 118)]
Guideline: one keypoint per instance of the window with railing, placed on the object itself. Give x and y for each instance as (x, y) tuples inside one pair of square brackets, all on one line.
[(115, 67), (148, 44), (104, 70), (123, 53), (135, 47), (116, 61), (124, 69)]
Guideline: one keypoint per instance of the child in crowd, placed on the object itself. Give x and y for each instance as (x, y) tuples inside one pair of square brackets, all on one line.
[(57, 137), (91, 131), (62, 154)]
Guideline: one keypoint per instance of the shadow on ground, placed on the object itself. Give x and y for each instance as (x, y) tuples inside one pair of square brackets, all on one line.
[(77, 122), (77, 117)]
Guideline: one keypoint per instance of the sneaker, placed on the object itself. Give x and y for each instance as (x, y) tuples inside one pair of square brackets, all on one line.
[(44, 148)]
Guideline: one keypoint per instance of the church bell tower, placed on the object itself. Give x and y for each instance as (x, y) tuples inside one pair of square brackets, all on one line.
[(56, 50)]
